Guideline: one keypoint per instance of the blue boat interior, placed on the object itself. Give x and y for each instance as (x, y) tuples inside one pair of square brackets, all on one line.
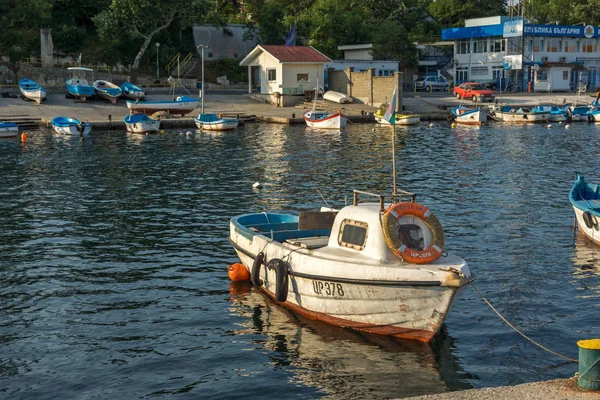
[(280, 227), (585, 196), (134, 118)]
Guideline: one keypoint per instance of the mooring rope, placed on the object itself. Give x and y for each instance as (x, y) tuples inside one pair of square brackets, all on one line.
[(508, 323)]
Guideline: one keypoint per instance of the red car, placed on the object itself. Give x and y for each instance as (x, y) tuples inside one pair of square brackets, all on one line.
[(474, 91)]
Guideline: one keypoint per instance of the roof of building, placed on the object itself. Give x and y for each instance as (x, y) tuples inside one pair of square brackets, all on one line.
[(356, 47), (289, 54)]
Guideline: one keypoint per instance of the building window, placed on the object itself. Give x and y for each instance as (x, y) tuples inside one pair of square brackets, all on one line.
[(570, 46), (301, 77), (541, 75), (480, 46), (496, 72), (565, 75), (497, 46), (588, 46), (537, 45), (552, 45), (353, 234), (463, 47), (462, 74), (271, 75), (479, 72)]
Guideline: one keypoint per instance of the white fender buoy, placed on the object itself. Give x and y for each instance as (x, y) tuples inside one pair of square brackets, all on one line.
[(549, 126), (567, 126), (188, 133), (431, 125), (181, 133), (147, 134), (257, 185), (560, 122)]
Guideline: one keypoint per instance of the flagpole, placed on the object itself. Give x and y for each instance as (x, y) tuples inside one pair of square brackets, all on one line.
[(394, 161)]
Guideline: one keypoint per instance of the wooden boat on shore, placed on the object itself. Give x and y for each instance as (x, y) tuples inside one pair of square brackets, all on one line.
[(212, 122), (77, 85), (31, 90), (465, 116), (519, 114), (141, 123), (399, 118), (70, 126), (182, 105), (8, 129), (324, 120), (107, 90), (585, 199), (132, 91), (337, 97)]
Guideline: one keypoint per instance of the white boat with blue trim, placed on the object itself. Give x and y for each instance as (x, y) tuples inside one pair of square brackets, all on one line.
[(585, 199), (32, 90), (465, 116), (107, 90), (141, 123), (8, 129), (212, 122), (325, 120), (373, 266), (70, 126), (182, 105), (132, 91)]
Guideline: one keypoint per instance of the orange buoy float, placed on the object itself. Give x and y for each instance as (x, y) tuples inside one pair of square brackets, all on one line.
[(393, 235), (237, 272), (23, 137)]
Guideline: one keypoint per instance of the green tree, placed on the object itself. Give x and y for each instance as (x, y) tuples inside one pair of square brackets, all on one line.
[(391, 42), (143, 19), (452, 13)]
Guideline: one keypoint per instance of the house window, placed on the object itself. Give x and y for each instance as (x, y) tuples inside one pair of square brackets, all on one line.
[(541, 75), (462, 74), (537, 45), (463, 47), (588, 46), (552, 45), (497, 46), (480, 46), (570, 46), (565, 75), (302, 77), (353, 234), (271, 75)]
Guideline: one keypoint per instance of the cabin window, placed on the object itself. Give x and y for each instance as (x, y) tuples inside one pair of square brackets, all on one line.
[(271, 75), (302, 77), (541, 75), (353, 234)]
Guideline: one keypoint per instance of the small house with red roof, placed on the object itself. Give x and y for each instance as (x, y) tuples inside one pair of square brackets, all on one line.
[(284, 74)]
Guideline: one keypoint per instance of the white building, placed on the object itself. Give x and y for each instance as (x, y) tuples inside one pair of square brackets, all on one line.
[(284, 71), (360, 57), (554, 57)]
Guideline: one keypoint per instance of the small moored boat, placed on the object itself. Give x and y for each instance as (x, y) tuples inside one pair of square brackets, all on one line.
[(519, 114), (8, 129), (399, 118), (182, 105), (77, 85), (70, 126), (141, 123), (465, 116), (132, 91), (32, 91), (107, 90), (585, 199), (324, 120), (212, 122), (557, 114), (337, 97)]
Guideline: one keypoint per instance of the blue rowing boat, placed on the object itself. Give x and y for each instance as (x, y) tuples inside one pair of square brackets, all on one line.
[(31, 90)]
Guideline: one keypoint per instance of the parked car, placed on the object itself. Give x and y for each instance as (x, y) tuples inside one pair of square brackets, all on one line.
[(431, 83), (473, 90)]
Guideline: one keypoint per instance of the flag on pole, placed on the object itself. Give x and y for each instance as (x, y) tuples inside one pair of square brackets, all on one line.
[(390, 113), (290, 40)]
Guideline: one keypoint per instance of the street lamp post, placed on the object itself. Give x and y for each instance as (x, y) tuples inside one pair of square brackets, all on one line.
[(200, 46), (157, 46)]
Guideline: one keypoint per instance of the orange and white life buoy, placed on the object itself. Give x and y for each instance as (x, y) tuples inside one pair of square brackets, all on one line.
[(390, 224)]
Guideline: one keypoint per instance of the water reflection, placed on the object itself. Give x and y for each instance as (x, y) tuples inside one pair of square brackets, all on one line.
[(344, 363)]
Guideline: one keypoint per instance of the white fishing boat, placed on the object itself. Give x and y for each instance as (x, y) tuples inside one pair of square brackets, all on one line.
[(141, 123), (182, 105), (70, 126), (107, 90), (324, 120), (8, 129), (132, 91), (77, 85), (585, 200), (519, 114), (337, 97), (212, 122), (31, 90), (464, 116)]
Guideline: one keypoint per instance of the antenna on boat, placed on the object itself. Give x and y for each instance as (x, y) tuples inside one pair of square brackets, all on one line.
[(324, 201)]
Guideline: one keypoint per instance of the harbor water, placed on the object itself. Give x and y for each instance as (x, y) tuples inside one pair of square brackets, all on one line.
[(113, 257)]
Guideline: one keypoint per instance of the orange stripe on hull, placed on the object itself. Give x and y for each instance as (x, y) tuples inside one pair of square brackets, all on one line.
[(388, 330)]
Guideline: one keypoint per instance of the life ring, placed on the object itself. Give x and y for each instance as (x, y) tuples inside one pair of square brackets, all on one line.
[(281, 278), (255, 271), (395, 243)]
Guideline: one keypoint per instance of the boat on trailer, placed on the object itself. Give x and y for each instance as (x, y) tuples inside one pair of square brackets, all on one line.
[(107, 90), (32, 90), (585, 199), (77, 85), (132, 91)]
